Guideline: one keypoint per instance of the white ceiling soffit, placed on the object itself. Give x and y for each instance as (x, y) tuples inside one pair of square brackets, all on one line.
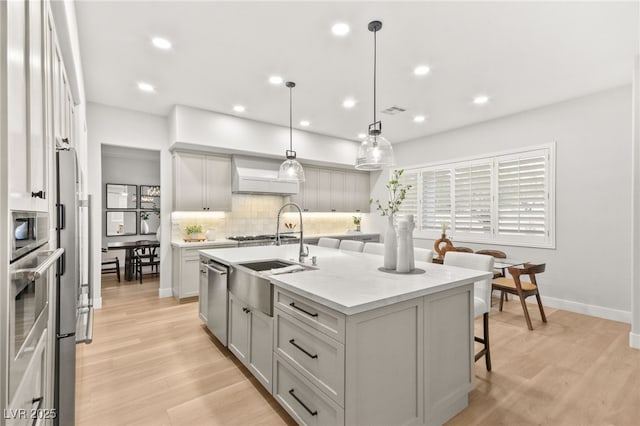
[(522, 55)]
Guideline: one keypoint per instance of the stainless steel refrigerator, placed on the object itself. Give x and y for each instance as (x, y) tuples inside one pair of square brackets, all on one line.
[(74, 304)]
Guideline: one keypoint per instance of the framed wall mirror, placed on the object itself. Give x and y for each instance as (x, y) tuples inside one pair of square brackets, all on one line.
[(121, 223), (149, 222), (149, 197), (122, 196)]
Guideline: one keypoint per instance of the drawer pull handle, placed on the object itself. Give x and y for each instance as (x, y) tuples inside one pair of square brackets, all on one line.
[(293, 305), (313, 413), (293, 342)]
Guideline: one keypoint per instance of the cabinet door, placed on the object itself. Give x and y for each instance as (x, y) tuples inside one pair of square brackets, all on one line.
[(362, 193), (203, 295), (337, 194), (17, 100), (37, 164), (350, 194), (189, 177), (238, 329), (261, 347), (310, 194), (218, 184), (324, 191), (190, 279)]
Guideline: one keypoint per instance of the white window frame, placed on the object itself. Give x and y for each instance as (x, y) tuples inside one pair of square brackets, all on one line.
[(547, 241)]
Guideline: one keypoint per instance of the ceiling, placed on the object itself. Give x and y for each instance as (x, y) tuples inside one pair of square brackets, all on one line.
[(523, 55)]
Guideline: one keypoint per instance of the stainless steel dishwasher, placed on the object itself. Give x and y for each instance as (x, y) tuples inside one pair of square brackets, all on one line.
[(217, 299)]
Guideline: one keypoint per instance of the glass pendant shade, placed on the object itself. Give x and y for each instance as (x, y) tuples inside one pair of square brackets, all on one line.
[(375, 153), (290, 169)]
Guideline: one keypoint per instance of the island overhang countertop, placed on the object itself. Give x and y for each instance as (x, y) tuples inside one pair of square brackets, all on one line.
[(349, 282)]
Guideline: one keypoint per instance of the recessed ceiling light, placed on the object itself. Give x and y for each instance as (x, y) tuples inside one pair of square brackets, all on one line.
[(145, 87), (305, 123), (419, 118), (161, 43), (349, 103), (275, 79), (481, 99), (421, 70), (340, 29), (362, 135), (238, 108)]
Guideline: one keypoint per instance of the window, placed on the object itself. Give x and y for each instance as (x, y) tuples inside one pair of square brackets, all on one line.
[(504, 199)]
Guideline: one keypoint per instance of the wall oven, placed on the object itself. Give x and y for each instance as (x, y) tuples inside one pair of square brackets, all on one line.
[(32, 277), (29, 230)]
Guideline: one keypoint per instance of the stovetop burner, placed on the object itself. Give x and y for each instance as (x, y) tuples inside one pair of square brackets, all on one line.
[(262, 237)]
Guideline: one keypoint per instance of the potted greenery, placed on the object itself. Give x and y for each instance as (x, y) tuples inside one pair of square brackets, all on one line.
[(193, 232), (357, 220), (397, 194)]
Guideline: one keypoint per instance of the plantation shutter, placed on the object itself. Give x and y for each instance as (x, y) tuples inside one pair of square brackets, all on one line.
[(472, 189), (436, 199), (522, 194)]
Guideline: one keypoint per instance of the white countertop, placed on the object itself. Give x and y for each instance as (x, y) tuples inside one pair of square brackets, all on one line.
[(350, 282), (220, 242)]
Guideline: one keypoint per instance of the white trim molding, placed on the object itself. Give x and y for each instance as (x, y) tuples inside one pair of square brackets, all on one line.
[(586, 309), (634, 340), (97, 302), (165, 292)]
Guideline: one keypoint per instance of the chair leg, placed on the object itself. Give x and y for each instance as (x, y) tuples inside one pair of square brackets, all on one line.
[(118, 269), (485, 342), (526, 312), (544, 317), (501, 299)]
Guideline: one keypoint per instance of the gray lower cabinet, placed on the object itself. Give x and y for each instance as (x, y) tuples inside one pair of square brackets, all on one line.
[(409, 363), (250, 334), (186, 272)]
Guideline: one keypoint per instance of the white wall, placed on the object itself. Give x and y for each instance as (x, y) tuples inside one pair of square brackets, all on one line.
[(634, 335), (120, 127), (589, 271), (197, 128)]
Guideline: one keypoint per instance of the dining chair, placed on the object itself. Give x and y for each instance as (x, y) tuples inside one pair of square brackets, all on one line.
[(111, 265), (141, 259), (422, 254), (373, 248), (522, 289), (329, 242), (351, 245), (481, 294)]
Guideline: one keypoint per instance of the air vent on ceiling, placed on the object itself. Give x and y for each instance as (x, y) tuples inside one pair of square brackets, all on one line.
[(393, 110)]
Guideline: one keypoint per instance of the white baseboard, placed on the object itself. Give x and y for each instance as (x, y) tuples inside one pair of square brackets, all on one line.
[(634, 340), (165, 292), (97, 303), (592, 310)]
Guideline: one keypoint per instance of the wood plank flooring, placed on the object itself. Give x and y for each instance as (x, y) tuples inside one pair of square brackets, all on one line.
[(152, 362)]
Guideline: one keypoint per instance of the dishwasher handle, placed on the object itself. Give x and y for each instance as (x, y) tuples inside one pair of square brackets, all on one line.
[(216, 270)]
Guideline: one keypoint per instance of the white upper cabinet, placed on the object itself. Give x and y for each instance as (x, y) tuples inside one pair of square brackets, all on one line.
[(27, 148), (329, 190), (201, 182)]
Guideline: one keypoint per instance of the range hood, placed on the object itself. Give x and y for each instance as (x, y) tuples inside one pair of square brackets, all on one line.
[(252, 175)]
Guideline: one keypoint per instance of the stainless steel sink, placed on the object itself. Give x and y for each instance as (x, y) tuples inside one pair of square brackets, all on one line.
[(266, 265)]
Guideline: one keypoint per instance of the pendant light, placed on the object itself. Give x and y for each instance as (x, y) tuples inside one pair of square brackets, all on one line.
[(375, 152), (290, 169)]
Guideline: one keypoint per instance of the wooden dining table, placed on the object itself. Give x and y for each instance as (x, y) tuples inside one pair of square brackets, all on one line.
[(129, 247)]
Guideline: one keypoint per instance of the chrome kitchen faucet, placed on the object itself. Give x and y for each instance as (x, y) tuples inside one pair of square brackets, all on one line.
[(303, 253)]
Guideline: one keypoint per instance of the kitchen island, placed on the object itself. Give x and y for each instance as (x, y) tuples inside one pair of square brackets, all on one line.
[(349, 344)]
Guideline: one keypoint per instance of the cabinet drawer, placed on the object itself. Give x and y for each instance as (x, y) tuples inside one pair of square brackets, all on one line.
[(319, 317), (190, 254), (318, 357), (306, 404)]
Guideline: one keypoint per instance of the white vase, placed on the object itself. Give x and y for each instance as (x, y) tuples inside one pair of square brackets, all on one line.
[(390, 245), (211, 234), (145, 227), (158, 233), (403, 262)]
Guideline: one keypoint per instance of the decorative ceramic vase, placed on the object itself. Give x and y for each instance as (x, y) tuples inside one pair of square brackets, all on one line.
[(145, 227), (403, 262), (411, 227), (390, 245), (158, 233), (211, 234), (358, 228)]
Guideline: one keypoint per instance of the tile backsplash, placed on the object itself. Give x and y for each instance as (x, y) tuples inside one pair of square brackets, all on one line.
[(256, 214)]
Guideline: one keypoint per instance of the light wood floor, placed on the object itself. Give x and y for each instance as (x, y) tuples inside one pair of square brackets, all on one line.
[(153, 363)]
